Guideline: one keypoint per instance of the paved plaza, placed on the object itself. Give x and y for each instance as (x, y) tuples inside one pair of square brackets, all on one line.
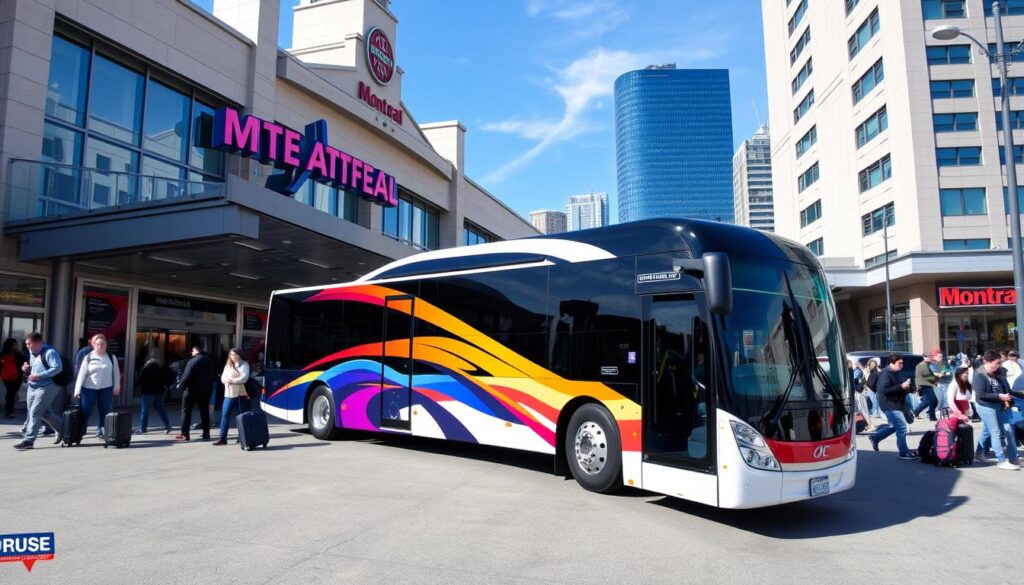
[(369, 509)]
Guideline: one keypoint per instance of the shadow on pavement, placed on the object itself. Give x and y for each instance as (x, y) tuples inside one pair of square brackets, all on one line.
[(889, 491), (279, 447), (498, 455)]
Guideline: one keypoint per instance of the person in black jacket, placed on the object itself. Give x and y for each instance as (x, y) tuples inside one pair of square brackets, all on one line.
[(892, 395), (196, 384), (992, 397), (11, 361), (151, 385)]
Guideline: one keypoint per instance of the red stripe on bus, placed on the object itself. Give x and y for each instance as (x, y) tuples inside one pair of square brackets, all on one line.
[(810, 451)]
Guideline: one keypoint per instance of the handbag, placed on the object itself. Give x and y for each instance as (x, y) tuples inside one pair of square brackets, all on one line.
[(252, 388)]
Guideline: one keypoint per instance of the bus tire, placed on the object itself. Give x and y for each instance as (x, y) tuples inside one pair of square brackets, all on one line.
[(593, 449), (321, 415)]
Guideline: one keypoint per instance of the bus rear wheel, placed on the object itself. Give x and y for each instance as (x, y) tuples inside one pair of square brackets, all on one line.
[(320, 415), (593, 449)]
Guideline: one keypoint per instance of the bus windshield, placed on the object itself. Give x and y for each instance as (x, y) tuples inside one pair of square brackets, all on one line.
[(786, 372)]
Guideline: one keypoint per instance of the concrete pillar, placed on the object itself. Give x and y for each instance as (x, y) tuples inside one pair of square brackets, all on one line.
[(59, 311), (449, 140)]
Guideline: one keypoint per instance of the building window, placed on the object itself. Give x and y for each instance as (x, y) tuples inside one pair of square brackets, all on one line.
[(1018, 155), (949, 54), (802, 75), (811, 214), (969, 201), (850, 5), (952, 88), (901, 338), (879, 259), (874, 175), (943, 9), (865, 32), (958, 122), (801, 10), (817, 247), (801, 44), (805, 104), (413, 222), (806, 141), (968, 244), (872, 127), (1008, 46), (473, 234), (867, 82), (808, 178), (1020, 199), (963, 156), (1016, 120), (1007, 7), (873, 222), (1015, 85)]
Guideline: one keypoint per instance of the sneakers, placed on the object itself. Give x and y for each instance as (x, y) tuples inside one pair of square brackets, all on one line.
[(1001, 465), (24, 445), (874, 442), (139, 431), (981, 458), (221, 442), (909, 455)]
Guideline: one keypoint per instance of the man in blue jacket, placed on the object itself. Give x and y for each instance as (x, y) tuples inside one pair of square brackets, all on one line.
[(44, 363)]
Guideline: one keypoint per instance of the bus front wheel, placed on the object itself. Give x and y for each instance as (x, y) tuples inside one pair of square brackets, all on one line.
[(320, 415), (593, 449)]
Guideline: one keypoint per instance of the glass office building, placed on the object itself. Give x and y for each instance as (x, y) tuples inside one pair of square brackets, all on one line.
[(673, 134)]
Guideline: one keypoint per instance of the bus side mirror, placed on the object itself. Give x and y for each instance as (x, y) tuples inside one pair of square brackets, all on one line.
[(718, 283)]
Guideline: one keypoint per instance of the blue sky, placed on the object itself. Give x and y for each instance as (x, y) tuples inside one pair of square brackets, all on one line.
[(532, 79)]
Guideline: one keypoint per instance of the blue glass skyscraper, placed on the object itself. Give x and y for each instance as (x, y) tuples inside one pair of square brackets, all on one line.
[(673, 144)]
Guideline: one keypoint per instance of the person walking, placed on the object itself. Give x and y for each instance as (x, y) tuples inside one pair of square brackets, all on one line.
[(1012, 366), (44, 363), (11, 361), (893, 396), (151, 384), (959, 395), (871, 379), (925, 381), (992, 395), (99, 380), (196, 384), (234, 377), (943, 371)]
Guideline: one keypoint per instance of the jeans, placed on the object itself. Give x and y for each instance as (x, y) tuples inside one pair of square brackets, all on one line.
[(996, 421), (943, 392), (242, 403), (897, 424), (103, 398), (928, 401), (40, 401), (156, 401), (872, 402)]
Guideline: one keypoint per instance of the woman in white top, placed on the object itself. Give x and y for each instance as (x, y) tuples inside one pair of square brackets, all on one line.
[(234, 377), (99, 380), (960, 395)]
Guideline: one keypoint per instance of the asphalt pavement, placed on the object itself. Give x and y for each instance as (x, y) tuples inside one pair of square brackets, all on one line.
[(371, 509)]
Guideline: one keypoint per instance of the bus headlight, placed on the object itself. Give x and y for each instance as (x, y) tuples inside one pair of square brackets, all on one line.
[(752, 447)]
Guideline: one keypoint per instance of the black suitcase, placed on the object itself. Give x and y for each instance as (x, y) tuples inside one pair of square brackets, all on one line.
[(964, 444), (253, 430), (72, 426), (926, 448), (117, 429)]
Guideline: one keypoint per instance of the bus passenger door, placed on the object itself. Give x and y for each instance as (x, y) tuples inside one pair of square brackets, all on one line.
[(396, 362), (678, 437)]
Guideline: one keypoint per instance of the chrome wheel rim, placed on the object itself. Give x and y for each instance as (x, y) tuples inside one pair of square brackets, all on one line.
[(591, 447), (321, 413)]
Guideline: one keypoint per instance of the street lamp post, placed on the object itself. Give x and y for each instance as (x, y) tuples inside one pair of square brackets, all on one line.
[(1001, 60), (888, 291)]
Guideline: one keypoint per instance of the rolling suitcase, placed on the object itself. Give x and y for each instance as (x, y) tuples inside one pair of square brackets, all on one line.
[(72, 426), (117, 429), (946, 444), (965, 445), (253, 430)]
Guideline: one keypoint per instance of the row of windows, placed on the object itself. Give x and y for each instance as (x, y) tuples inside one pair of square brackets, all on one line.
[(817, 247), (811, 214), (943, 9), (868, 81), (850, 5), (801, 10), (865, 32), (1018, 155), (967, 244), (873, 126), (956, 202), (873, 222), (957, 122), (874, 175), (801, 44), (806, 141), (880, 259), (802, 75), (808, 178), (413, 222), (952, 88), (949, 54), (958, 156), (1016, 120), (472, 235), (804, 105), (1005, 6), (1015, 86), (1008, 47)]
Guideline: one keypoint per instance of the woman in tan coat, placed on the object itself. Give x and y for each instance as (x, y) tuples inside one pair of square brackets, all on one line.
[(234, 377)]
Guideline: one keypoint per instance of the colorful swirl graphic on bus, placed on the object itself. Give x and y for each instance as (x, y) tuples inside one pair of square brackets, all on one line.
[(477, 391)]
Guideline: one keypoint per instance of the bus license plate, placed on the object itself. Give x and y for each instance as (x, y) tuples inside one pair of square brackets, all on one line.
[(819, 486)]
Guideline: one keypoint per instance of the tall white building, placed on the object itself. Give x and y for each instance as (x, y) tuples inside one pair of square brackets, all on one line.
[(548, 221), (752, 182), (586, 211), (878, 127)]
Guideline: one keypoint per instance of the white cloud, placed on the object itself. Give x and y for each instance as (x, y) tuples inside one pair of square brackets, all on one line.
[(590, 18)]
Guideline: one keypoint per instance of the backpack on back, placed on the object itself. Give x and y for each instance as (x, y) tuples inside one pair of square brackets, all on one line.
[(64, 377)]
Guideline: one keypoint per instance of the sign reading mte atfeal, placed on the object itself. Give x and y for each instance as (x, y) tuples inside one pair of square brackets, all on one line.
[(26, 548), (301, 156)]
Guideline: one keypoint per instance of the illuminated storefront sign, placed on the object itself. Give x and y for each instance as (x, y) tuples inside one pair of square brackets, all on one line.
[(301, 156), (992, 296)]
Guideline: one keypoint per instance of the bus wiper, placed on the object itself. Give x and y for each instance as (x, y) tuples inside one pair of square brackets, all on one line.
[(816, 370), (772, 417)]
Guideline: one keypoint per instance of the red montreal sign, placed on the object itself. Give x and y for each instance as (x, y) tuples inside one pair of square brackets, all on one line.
[(380, 56), (378, 103), (956, 296)]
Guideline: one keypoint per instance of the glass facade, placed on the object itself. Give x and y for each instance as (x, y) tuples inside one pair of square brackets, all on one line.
[(673, 130), (413, 222)]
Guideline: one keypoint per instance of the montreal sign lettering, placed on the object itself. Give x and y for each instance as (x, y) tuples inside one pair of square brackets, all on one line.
[(301, 156), (955, 296)]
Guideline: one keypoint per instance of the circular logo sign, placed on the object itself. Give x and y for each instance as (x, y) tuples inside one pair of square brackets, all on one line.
[(380, 56)]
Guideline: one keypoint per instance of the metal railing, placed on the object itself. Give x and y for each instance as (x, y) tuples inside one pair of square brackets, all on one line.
[(39, 190)]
